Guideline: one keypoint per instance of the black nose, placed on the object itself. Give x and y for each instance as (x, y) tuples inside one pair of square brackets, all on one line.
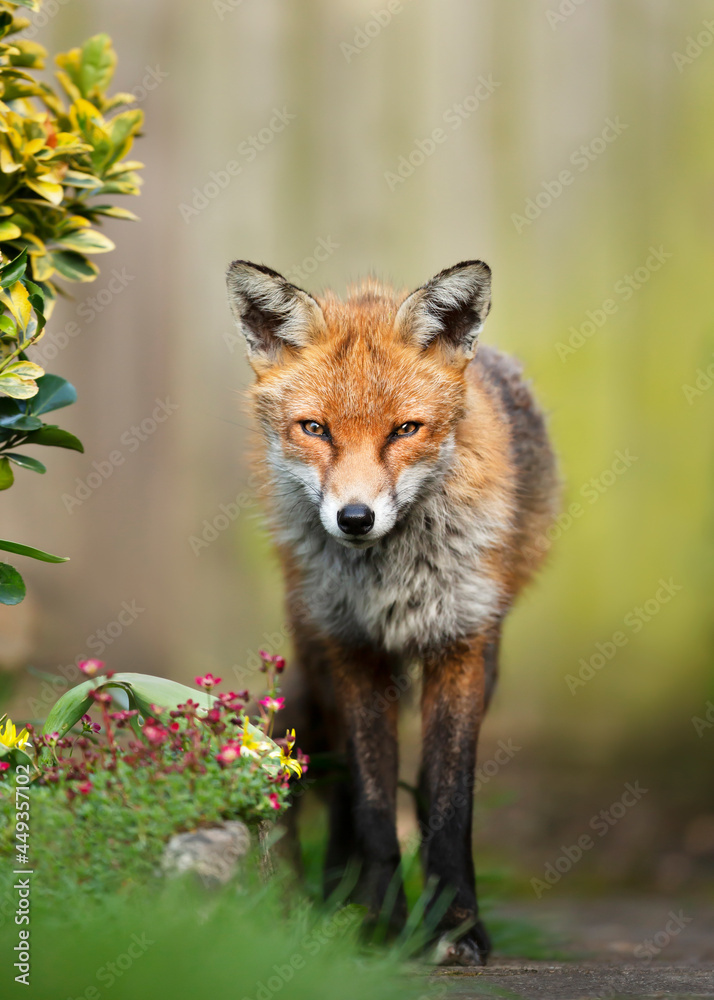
[(355, 519)]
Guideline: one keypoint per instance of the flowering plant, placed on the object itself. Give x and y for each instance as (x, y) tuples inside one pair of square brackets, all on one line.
[(144, 759)]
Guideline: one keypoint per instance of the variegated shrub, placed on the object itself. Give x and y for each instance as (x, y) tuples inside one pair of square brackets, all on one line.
[(62, 154)]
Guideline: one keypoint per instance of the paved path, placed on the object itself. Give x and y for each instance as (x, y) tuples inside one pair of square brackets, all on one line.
[(607, 942)]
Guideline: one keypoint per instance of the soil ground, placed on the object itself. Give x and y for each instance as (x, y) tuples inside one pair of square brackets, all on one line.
[(604, 944)]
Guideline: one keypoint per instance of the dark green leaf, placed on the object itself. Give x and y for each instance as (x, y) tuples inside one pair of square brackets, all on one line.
[(30, 552), (54, 437), (20, 421), (25, 462), (14, 270), (12, 586), (73, 266), (53, 393)]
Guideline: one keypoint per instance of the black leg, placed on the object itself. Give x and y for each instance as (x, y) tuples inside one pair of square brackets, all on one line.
[(452, 707)]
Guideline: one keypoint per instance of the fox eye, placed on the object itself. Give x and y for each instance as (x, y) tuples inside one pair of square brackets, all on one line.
[(406, 430), (314, 429)]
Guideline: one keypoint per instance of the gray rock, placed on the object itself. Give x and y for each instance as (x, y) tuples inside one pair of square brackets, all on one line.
[(212, 853)]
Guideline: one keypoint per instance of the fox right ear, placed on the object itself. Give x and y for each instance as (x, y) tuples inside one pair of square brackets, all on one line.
[(450, 309), (269, 311)]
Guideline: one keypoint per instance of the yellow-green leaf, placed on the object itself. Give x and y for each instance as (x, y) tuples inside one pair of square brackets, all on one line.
[(7, 476), (18, 302), (85, 241), (9, 231), (46, 189), (18, 388), (25, 369)]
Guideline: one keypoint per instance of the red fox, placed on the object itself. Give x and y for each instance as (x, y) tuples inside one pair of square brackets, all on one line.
[(411, 485)]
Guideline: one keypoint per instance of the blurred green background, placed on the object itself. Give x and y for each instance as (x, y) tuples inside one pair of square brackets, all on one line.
[(573, 151)]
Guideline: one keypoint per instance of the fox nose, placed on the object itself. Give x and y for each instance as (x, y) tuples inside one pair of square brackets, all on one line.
[(355, 519)]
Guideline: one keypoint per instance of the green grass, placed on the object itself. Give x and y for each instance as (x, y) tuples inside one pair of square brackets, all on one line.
[(180, 941)]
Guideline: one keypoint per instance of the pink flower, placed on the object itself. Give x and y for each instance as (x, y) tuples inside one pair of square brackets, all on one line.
[(279, 662), (4, 765), (273, 798), (229, 698), (86, 787), (229, 753), (272, 704), (154, 732), (91, 667), (208, 681)]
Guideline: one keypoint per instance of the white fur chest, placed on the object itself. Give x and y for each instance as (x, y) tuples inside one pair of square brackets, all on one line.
[(422, 585)]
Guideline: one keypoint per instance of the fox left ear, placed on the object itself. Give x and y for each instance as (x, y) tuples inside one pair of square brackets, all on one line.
[(269, 311), (450, 308)]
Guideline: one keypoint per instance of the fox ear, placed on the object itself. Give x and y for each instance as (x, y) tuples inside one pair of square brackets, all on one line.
[(269, 311), (450, 308)]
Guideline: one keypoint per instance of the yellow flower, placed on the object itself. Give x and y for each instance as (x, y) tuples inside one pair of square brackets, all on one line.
[(250, 746), (10, 738), (288, 764)]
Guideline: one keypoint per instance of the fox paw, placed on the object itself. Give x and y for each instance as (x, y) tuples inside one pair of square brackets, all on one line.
[(471, 949)]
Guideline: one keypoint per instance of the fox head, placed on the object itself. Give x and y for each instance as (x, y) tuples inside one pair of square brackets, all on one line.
[(359, 400)]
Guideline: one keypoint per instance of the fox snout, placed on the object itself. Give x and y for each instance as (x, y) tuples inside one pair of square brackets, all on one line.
[(355, 519), (358, 517)]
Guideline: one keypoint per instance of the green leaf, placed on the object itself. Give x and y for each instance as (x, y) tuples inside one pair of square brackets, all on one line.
[(54, 393), (69, 709), (13, 415), (9, 231), (14, 270), (16, 386), (7, 476), (97, 64), (30, 552), (79, 179), (20, 422), (25, 462), (85, 241), (12, 586), (54, 437), (145, 689), (7, 327), (73, 266), (114, 212)]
